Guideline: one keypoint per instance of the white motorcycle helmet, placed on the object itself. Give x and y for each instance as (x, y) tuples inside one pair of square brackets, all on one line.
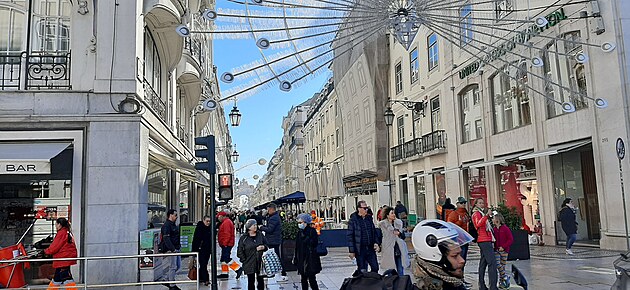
[(429, 234)]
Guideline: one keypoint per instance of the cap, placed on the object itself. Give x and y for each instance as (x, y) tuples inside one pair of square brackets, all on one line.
[(221, 213), (313, 212), (461, 199)]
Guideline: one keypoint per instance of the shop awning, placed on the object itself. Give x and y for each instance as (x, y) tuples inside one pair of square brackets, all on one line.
[(500, 160), (28, 158), (296, 197), (552, 150)]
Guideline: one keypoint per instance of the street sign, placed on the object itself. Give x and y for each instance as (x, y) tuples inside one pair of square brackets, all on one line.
[(621, 149)]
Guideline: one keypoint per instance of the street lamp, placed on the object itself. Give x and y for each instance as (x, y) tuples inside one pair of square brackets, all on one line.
[(235, 156), (389, 121), (235, 116), (389, 116)]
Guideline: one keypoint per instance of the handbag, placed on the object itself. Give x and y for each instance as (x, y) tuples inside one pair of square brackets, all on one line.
[(192, 272), (321, 249), (397, 252), (271, 263)]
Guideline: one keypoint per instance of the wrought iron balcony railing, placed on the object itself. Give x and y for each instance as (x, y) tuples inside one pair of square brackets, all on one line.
[(429, 142), (181, 132), (37, 70), (194, 48), (155, 101)]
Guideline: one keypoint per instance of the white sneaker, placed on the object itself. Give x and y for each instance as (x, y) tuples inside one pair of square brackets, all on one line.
[(569, 252), (282, 279)]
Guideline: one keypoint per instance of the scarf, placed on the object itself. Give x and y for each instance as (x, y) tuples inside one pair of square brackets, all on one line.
[(488, 223), (430, 276)]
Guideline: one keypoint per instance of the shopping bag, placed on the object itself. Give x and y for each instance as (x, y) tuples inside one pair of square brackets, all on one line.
[(271, 263), (192, 270)]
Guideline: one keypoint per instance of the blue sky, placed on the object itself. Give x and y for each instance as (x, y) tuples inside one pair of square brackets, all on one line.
[(260, 131)]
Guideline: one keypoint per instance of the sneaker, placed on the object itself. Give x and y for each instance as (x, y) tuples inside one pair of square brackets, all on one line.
[(282, 279), (223, 276), (569, 252)]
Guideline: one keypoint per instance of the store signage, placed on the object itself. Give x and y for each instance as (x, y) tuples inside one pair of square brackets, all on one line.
[(521, 37), (24, 167), (362, 182)]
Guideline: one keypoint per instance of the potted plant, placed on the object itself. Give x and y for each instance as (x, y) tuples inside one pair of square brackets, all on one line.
[(289, 233), (520, 246)]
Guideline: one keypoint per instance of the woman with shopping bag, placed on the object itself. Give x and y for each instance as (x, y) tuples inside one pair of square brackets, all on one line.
[(251, 247), (306, 257)]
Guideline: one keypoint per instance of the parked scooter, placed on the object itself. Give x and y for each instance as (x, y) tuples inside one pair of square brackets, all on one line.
[(622, 270)]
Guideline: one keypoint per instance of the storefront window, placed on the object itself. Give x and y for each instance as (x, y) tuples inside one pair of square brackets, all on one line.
[(564, 71), (470, 113), (475, 179), (519, 189), (510, 100), (439, 184), (158, 195), (421, 203)]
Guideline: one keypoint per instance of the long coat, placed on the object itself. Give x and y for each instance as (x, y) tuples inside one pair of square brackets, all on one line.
[(306, 258), (568, 220), (389, 240), (250, 257)]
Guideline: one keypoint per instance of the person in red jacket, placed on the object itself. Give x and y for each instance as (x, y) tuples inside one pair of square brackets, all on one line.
[(63, 246), (226, 242), (485, 241), (502, 246)]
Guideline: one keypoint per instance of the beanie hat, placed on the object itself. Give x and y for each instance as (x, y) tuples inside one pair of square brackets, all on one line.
[(305, 218), (249, 223)]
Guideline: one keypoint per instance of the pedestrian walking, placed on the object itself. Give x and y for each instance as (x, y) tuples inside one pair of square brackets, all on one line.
[(485, 241), (504, 240), (251, 247), (170, 244), (447, 208), (226, 239), (202, 244), (401, 211), (306, 258), (273, 234), (461, 218), (363, 240), (63, 246), (394, 253), (438, 263), (567, 218)]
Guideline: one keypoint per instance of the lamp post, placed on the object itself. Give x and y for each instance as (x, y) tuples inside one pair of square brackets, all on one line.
[(389, 121)]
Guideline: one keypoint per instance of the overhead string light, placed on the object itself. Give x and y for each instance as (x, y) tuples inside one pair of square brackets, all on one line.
[(299, 39)]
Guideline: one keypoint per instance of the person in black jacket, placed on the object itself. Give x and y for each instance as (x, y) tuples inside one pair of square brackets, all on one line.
[(170, 244), (306, 258), (202, 241), (251, 247), (569, 225), (363, 239), (273, 234)]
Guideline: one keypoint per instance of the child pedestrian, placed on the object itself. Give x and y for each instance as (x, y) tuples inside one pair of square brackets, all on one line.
[(504, 240)]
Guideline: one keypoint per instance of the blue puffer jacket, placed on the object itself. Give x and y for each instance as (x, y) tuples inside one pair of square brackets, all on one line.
[(273, 230), (354, 233)]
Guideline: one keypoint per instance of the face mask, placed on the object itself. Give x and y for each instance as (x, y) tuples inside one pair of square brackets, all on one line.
[(302, 226)]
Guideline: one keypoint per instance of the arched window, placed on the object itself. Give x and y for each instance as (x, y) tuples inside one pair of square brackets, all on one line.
[(12, 27)]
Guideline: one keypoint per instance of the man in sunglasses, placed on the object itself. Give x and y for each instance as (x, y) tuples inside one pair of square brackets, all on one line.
[(363, 239)]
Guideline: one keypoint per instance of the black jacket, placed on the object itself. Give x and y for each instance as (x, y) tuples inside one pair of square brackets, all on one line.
[(354, 233), (273, 230), (170, 236), (567, 218), (306, 258), (251, 259), (202, 240)]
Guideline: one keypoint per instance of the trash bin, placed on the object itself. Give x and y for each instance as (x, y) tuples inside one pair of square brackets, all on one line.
[(12, 275)]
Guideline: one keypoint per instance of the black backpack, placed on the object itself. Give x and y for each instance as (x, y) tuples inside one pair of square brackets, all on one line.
[(390, 280)]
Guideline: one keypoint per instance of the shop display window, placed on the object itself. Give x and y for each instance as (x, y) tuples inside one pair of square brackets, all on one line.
[(519, 188), (158, 181), (475, 179), (421, 202), (439, 183)]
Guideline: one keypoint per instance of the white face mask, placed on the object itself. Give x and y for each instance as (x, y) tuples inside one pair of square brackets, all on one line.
[(302, 226)]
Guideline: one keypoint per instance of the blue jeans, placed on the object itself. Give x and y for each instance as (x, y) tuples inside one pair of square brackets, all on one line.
[(570, 240), (399, 266), (366, 256)]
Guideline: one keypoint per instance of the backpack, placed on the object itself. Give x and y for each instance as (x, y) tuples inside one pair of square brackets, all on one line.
[(390, 280)]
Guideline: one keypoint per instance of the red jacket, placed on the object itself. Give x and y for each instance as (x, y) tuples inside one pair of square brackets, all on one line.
[(60, 248), (480, 220), (226, 233), (503, 237)]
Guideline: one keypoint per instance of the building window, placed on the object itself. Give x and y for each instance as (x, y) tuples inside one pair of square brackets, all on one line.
[(478, 130), (436, 118), (336, 108), (51, 21), (466, 24), (413, 65), (476, 97), (469, 114), (12, 28), (421, 202), (439, 185), (433, 51), (152, 63), (466, 132), (399, 81), (357, 117), (362, 78), (566, 72), (400, 124), (366, 112), (337, 137), (353, 85), (503, 8), (475, 179), (510, 99)]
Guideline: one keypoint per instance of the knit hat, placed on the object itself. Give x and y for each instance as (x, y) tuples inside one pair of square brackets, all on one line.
[(305, 218), (249, 223)]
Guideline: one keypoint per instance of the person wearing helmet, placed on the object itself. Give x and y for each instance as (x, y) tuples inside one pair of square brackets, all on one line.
[(438, 263)]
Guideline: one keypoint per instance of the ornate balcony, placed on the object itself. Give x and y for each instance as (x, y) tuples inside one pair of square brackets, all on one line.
[(193, 47), (181, 132), (38, 70), (419, 146), (155, 101)]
